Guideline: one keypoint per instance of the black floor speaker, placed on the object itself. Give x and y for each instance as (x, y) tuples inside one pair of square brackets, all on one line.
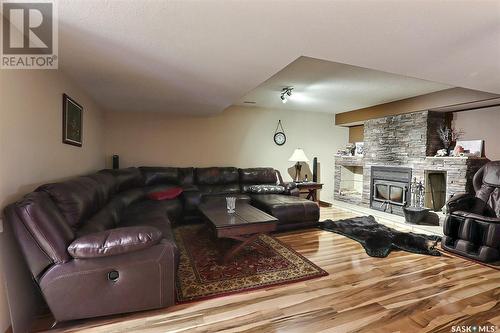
[(315, 169), (116, 162)]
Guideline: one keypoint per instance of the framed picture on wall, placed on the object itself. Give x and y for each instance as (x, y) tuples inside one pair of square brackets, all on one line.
[(360, 149), (72, 122), (471, 147)]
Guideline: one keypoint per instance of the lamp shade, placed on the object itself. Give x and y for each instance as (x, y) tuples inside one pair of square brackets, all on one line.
[(298, 156)]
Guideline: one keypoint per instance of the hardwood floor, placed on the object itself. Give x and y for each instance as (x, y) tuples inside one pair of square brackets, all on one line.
[(402, 293)]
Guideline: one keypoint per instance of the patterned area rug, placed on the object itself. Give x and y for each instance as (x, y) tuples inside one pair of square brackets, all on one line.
[(201, 276)]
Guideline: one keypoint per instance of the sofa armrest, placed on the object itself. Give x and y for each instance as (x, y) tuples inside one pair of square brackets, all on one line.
[(129, 282), (468, 203), (114, 242)]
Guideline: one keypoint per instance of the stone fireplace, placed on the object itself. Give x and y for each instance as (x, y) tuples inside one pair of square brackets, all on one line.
[(408, 141)]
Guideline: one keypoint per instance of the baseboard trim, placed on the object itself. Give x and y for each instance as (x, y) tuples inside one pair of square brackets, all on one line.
[(324, 204)]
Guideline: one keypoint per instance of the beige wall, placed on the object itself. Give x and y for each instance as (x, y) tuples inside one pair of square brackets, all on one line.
[(241, 137), (481, 124), (356, 133), (31, 149)]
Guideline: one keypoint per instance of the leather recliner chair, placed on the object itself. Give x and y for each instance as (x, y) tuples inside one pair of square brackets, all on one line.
[(472, 223)]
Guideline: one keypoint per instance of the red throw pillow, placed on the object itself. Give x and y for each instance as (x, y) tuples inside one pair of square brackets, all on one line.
[(171, 193)]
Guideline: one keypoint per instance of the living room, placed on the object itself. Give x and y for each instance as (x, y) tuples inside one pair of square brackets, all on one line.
[(250, 166)]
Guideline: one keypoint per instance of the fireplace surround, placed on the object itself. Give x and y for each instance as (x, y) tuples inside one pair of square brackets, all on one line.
[(408, 141)]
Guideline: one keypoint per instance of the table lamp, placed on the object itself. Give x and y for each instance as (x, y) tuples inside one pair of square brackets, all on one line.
[(298, 156)]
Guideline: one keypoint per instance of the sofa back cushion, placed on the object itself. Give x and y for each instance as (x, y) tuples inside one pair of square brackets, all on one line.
[(186, 176), (77, 198), (125, 179), (217, 180), (257, 176), (106, 185), (46, 224), (216, 176), (160, 175), (106, 218)]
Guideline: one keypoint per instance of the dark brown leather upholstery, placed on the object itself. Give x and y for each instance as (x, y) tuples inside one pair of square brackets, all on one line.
[(215, 181), (126, 178), (44, 222), (77, 198), (257, 176), (112, 242), (289, 210), (96, 245), (472, 223), (82, 288)]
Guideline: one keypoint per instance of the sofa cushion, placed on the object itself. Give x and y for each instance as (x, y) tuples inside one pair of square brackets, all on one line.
[(160, 175), (216, 176), (77, 198), (130, 196), (287, 209), (106, 218), (227, 189), (106, 185), (258, 176), (46, 224), (186, 176), (126, 178), (140, 212), (114, 241)]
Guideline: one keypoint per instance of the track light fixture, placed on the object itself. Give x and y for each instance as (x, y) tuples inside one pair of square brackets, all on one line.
[(285, 93)]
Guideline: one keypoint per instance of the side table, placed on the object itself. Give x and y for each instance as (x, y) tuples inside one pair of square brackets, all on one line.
[(311, 189)]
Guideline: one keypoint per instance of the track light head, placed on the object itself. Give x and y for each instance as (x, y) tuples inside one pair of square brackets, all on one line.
[(287, 91)]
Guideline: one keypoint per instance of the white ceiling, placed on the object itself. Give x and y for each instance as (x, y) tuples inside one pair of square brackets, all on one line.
[(198, 57), (325, 86)]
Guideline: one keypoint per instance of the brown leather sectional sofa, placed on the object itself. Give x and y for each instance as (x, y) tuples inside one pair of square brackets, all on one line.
[(96, 245)]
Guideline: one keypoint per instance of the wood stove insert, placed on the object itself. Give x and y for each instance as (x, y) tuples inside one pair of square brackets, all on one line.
[(389, 190)]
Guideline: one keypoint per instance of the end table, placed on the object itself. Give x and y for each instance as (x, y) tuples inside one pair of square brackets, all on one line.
[(311, 189)]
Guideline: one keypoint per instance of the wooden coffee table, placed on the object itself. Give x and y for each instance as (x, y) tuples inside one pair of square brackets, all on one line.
[(244, 225)]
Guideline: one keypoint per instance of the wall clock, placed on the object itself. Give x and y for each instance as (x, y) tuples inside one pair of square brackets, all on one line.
[(279, 135)]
